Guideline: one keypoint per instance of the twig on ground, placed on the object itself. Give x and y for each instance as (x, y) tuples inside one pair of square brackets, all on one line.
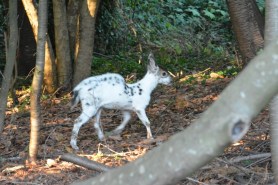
[(249, 157), (193, 180), (122, 154), (12, 169), (243, 169), (229, 179), (87, 163)]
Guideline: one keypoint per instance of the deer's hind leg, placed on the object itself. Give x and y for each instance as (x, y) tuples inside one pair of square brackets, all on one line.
[(88, 112), (97, 126), (120, 128)]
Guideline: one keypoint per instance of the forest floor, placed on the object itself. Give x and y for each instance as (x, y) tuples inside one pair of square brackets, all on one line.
[(171, 110)]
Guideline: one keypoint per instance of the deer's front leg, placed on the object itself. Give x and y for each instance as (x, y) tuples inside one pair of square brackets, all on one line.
[(143, 117)]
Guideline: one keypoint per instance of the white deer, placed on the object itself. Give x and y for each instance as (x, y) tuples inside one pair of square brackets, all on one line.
[(111, 92)]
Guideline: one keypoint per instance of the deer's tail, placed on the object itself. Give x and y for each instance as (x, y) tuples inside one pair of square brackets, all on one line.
[(75, 99)]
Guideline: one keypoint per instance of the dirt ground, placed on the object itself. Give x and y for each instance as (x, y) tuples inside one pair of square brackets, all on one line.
[(171, 110)]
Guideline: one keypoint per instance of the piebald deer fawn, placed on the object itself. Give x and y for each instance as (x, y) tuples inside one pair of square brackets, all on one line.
[(111, 92)]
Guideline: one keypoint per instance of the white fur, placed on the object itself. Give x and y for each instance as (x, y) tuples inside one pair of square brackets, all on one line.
[(110, 91)]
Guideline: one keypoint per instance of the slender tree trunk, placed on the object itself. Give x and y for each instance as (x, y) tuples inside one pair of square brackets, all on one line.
[(62, 44), (11, 57), (226, 121), (37, 82), (248, 25), (87, 20), (271, 33), (73, 10), (50, 75)]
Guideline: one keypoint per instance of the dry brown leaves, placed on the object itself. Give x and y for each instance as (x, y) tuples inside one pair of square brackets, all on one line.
[(172, 109)]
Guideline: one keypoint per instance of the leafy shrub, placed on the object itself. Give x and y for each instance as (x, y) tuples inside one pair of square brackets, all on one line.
[(184, 34), (155, 23)]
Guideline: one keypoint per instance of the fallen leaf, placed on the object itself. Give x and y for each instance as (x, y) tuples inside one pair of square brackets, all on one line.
[(51, 162)]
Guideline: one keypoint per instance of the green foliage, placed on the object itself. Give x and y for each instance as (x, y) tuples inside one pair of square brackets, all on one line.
[(184, 34), (124, 65), (261, 5), (229, 71)]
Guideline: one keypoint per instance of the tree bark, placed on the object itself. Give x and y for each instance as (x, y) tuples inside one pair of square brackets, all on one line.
[(11, 58), (87, 163), (37, 82), (83, 63), (226, 121), (271, 33), (62, 45), (50, 74), (73, 10), (248, 26)]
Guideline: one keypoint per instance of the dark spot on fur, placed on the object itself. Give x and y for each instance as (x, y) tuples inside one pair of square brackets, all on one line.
[(85, 84), (105, 79), (113, 84), (120, 94), (129, 101), (90, 89), (140, 91), (110, 78), (117, 80), (87, 104)]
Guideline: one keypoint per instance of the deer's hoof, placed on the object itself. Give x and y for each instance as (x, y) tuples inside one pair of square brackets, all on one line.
[(101, 138), (73, 145)]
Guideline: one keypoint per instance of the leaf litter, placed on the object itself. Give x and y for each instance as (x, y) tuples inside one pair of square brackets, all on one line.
[(171, 110)]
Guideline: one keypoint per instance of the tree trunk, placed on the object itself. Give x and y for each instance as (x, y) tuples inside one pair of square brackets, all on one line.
[(37, 82), (62, 44), (11, 58), (248, 25), (271, 33), (87, 20), (50, 75), (226, 121), (73, 10)]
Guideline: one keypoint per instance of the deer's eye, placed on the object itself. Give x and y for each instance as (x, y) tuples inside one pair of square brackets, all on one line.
[(164, 74)]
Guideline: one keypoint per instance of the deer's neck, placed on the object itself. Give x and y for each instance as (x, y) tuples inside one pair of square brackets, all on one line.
[(148, 83)]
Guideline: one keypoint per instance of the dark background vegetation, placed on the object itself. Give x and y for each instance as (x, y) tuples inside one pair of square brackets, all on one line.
[(186, 36)]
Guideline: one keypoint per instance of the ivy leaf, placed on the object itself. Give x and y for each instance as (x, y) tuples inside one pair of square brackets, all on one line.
[(194, 11), (179, 10), (168, 25), (223, 13), (209, 14)]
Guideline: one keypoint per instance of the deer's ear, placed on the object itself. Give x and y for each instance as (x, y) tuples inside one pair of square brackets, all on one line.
[(151, 63)]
